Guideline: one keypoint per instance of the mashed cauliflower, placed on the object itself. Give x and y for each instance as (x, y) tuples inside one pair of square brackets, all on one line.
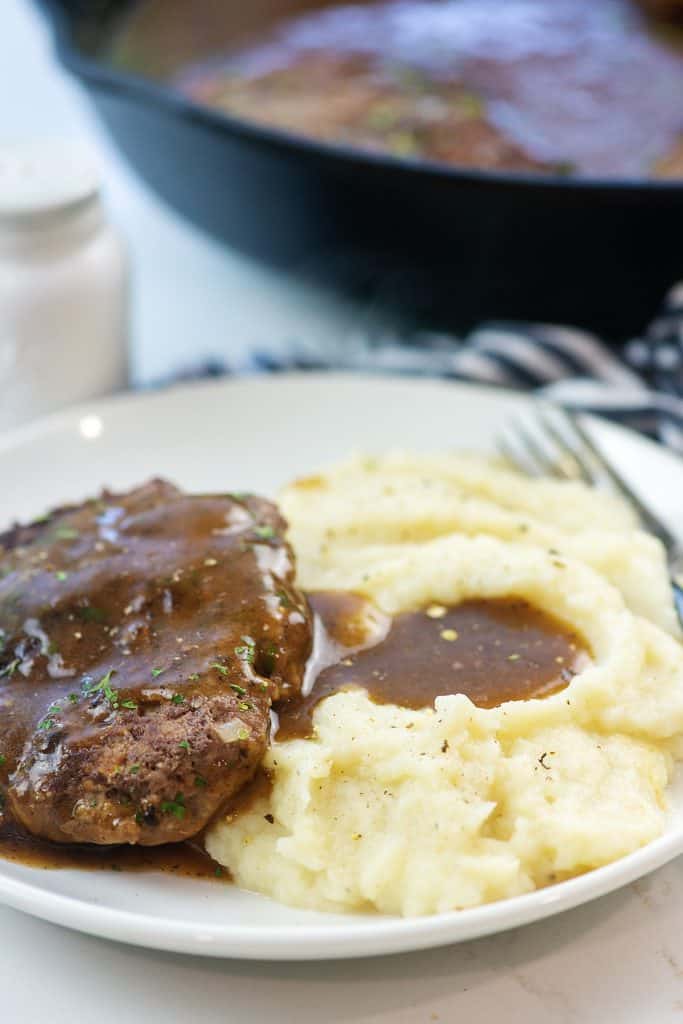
[(421, 811)]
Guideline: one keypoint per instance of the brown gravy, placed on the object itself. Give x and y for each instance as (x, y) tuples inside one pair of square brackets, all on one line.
[(491, 650), (187, 860), (134, 629), (565, 87)]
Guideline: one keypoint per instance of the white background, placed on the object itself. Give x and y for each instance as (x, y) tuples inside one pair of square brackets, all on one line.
[(193, 299)]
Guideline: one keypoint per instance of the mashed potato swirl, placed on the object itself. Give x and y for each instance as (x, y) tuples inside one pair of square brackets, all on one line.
[(421, 811)]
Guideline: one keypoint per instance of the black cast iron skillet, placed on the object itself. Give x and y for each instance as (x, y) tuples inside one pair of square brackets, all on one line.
[(450, 246)]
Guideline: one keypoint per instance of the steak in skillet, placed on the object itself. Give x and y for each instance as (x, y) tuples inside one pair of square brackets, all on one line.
[(143, 637)]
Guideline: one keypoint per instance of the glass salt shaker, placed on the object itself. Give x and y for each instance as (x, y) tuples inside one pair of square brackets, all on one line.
[(63, 284)]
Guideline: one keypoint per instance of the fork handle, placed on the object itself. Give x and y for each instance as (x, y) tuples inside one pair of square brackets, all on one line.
[(674, 560), (677, 592), (675, 563)]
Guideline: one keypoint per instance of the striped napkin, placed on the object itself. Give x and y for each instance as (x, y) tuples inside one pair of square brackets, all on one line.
[(642, 388)]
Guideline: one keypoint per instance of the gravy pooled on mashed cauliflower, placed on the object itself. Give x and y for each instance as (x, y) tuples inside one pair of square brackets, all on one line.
[(552, 764)]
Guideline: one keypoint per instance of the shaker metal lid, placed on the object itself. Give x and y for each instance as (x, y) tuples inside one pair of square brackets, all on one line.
[(38, 178)]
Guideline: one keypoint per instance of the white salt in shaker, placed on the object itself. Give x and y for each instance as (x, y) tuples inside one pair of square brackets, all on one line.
[(63, 284)]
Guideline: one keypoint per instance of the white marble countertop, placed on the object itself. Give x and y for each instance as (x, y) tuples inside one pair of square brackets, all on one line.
[(616, 961)]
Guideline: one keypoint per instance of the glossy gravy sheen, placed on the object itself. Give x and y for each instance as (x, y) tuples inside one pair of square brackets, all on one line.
[(187, 859), (566, 87), (491, 650), (142, 637)]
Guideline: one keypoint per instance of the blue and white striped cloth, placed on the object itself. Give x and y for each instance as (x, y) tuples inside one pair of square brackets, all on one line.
[(642, 389)]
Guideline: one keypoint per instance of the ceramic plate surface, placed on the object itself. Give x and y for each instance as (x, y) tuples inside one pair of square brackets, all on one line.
[(256, 434)]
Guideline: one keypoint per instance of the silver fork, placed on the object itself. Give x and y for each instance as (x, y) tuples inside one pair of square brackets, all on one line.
[(551, 441)]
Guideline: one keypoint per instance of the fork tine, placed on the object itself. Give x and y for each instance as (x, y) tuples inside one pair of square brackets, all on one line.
[(586, 442), (583, 440), (647, 518), (550, 453), (544, 464), (579, 470), (525, 462), (581, 457)]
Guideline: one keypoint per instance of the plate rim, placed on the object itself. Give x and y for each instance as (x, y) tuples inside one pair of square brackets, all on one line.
[(371, 936), (384, 936)]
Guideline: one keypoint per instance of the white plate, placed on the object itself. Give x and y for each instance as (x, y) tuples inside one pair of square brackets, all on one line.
[(256, 434)]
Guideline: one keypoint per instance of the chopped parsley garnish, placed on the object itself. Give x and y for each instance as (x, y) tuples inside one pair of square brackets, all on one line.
[(264, 532), (175, 807), (284, 600), (218, 872), (157, 672), (10, 669), (49, 721), (134, 769), (220, 668), (238, 689), (61, 576), (104, 686), (177, 698), (194, 677), (91, 614), (185, 745), (243, 734), (74, 698), (66, 533), (246, 651), (199, 780), (3, 760)]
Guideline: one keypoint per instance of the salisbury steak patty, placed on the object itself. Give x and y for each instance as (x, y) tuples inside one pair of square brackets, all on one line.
[(143, 637)]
